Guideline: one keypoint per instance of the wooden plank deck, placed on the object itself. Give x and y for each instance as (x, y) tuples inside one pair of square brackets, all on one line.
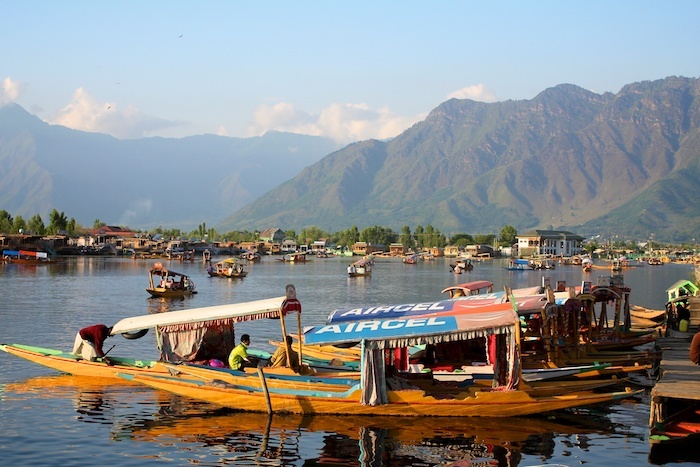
[(678, 377)]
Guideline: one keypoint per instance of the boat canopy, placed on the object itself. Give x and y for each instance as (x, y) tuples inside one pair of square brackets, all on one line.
[(416, 324), (159, 270), (682, 288), (30, 253), (237, 312)]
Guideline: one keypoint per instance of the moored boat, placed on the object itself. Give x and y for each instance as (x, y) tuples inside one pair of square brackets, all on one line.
[(185, 336), (25, 257), (380, 390)]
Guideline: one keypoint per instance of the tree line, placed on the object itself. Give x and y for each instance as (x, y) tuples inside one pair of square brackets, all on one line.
[(420, 237)]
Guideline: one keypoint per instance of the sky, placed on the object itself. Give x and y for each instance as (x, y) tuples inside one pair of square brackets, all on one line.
[(349, 71)]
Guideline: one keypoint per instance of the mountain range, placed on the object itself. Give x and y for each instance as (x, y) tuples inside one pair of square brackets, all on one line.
[(141, 183), (622, 164), (615, 164)]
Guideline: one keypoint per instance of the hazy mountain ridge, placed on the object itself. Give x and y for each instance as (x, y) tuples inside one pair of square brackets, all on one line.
[(143, 182), (619, 163)]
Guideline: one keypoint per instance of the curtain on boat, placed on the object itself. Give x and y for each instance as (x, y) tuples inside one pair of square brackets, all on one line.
[(196, 341), (373, 378)]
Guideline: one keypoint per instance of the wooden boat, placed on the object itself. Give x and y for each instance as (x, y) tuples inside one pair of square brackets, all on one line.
[(230, 268), (459, 266), (297, 257), (586, 265), (544, 263), (167, 283), (173, 327), (467, 289), (681, 425), (410, 259), (675, 439), (519, 264), (360, 268), (379, 394), (251, 256), (25, 257)]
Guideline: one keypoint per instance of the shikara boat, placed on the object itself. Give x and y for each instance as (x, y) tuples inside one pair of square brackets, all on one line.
[(175, 330), (586, 264), (297, 257), (460, 266), (167, 283), (361, 268), (25, 257), (380, 391), (230, 268), (251, 256), (676, 438), (519, 264)]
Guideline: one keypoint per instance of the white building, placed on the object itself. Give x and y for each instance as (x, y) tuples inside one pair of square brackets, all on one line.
[(549, 242)]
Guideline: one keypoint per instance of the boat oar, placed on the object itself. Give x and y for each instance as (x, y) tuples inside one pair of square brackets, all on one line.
[(104, 356)]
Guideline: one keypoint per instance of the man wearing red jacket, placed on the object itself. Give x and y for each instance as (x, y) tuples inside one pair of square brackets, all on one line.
[(89, 342)]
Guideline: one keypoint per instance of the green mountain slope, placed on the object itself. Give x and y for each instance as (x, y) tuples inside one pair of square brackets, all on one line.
[(568, 158)]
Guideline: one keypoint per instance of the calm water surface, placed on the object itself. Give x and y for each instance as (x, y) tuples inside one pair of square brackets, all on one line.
[(52, 419)]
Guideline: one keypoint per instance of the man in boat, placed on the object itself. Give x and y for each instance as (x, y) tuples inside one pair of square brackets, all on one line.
[(238, 358), (89, 341), (279, 358), (682, 314)]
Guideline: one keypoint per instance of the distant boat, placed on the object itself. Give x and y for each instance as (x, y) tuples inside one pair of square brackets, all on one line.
[(166, 283), (518, 264), (230, 268), (297, 257), (25, 257), (360, 268)]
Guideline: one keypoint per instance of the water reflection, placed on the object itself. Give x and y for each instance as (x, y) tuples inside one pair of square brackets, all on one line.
[(203, 434)]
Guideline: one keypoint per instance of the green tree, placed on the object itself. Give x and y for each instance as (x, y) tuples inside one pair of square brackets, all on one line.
[(508, 234), (406, 238), (346, 238), (291, 233), (72, 227), (420, 239), (19, 225), (310, 234), (377, 235), (484, 239), (98, 224), (5, 222), (462, 239), (36, 225), (57, 221), (433, 238)]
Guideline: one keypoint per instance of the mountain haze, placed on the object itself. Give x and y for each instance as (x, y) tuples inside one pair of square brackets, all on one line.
[(624, 164), (141, 183)]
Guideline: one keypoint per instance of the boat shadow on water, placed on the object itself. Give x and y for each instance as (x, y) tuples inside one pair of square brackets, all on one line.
[(140, 414)]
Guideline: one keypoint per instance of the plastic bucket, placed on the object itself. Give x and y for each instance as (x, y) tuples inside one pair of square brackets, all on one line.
[(683, 325)]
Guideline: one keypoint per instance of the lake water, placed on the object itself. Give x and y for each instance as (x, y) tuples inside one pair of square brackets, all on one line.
[(52, 419)]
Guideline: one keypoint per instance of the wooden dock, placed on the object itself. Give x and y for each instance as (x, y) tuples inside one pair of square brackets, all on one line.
[(678, 378)]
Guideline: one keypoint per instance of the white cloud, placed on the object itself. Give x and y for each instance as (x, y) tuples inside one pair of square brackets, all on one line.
[(10, 91), (476, 92), (138, 209), (343, 123), (87, 114)]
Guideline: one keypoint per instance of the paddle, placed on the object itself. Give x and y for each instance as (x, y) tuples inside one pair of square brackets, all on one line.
[(104, 356)]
